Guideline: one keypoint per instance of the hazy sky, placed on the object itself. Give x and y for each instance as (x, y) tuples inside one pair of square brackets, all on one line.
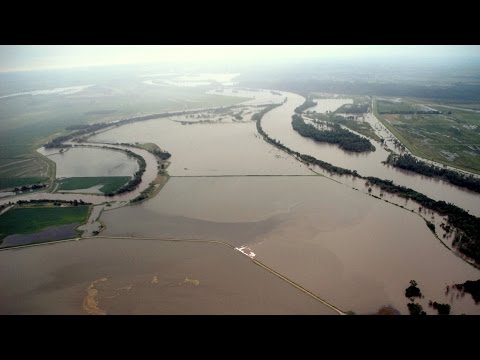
[(33, 57)]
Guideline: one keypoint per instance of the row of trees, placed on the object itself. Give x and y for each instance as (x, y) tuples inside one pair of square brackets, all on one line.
[(55, 202), (471, 287), (347, 140), (29, 188), (137, 176), (82, 130), (408, 162)]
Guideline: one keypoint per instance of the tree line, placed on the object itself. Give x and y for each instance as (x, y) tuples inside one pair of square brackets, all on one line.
[(137, 176), (86, 129), (29, 188), (347, 140), (55, 202), (409, 162)]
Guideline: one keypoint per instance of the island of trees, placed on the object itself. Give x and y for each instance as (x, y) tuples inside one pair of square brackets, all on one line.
[(307, 104), (347, 140), (471, 287), (408, 162)]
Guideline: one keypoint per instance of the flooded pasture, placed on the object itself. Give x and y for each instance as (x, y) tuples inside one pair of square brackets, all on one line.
[(84, 162), (121, 276), (51, 233)]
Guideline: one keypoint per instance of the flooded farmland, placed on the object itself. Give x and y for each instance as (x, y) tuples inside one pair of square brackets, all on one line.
[(209, 149), (86, 161), (227, 184), (120, 276), (355, 251)]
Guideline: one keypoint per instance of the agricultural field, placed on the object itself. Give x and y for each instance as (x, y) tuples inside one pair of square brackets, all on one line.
[(27, 220), (109, 183), (451, 138), (8, 183), (395, 107)]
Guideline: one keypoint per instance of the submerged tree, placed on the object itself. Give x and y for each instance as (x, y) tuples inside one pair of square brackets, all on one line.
[(413, 291)]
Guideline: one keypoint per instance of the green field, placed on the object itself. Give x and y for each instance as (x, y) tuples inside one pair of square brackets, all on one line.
[(8, 183), (450, 138), (391, 107), (34, 219), (110, 183)]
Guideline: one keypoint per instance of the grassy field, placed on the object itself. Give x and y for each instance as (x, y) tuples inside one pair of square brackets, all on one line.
[(29, 220), (451, 139), (110, 183), (396, 107), (7, 183)]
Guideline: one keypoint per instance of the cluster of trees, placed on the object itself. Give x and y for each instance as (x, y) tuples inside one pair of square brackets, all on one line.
[(164, 155), (443, 309), (307, 104), (415, 309), (137, 176), (408, 162), (336, 135), (29, 188), (413, 290), (431, 226), (55, 202), (471, 287)]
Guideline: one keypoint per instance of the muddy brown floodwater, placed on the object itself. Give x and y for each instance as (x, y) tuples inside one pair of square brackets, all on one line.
[(355, 251), (84, 161), (209, 149), (120, 276)]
